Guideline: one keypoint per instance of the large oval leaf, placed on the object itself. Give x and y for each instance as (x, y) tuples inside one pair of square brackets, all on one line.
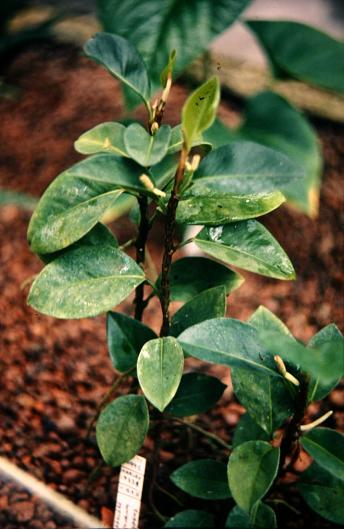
[(104, 138), (122, 60), (144, 148), (84, 282), (159, 370), (252, 467), (248, 245), (203, 478), (327, 449), (248, 430), (262, 517), (121, 429), (191, 518)]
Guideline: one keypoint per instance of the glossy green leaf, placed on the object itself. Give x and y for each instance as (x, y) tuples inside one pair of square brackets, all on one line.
[(192, 275), (122, 60), (318, 390), (104, 138), (248, 245), (227, 341), (156, 27), (199, 110), (214, 207), (191, 518), (302, 52), (323, 493), (84, 282), (125, 337), (252, 468), (327, 449), (206, 305), (262, 517), (78, 198), (197, 393), (203, 478), (145, 149), (121, 429), (248, 430), (159, 370)]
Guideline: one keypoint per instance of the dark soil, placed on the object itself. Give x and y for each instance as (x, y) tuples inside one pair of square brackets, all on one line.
[(54, 372)]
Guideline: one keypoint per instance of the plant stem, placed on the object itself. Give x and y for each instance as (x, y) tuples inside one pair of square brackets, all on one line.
[(141, 253), (198, 429)]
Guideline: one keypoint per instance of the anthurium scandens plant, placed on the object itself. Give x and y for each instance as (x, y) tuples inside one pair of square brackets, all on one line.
[(173, 173)]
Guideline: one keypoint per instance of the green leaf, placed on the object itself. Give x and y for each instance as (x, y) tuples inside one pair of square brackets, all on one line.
[(21, 200), (168, 70), (159, 370), (269, 400), (157, 27), (323, 493), (191, 518), (203, 478), (177, 140), (327, 449), (192, 275), (121, 429), (199, 110), (104, 138), (248, 245), (317, 390), (263, 517), (145, 149), (302, 52), (125, 338), (248, 430), (122, 60), (78, 198), (212, 208), (252, 468), (196, 394), (205, 306), (84, 282), (226, 341)]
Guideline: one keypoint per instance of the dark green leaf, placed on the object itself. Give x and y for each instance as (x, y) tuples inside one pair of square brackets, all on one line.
[(145, 149), (203, 478), (252, 468), (159, 370), (327, 449), (206, 305), (249, 245), (263, 319), (262, 517), (104, 138), (197, 393), (125, 338), (122, 60), (84, 282), (121, 429), (191, 518), (248, 430), (323, 493), (302, 52)]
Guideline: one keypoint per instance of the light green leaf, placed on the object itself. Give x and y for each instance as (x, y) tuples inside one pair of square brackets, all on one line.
[(199, 110), (125, 337), (145, 149), (248, 430), (263, 319), (192, 275), (203, 478), (302, 52), (121, 429), (84, 282), (249, 245), (206, 305), (226, 341), (262, 517), (197, 393), (323, 493), (159, 370), (122, 60), (104, 138), (191, 518), (327, 449), (168, 70), (252, 468), (177, 140)]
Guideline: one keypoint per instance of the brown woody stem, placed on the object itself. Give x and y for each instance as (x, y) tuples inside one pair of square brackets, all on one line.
[(141, 253)]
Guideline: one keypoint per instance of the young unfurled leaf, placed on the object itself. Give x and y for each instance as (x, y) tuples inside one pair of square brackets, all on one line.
[(249, 245), (200, 109), (327, 449), (121, 429), (261, 517), (168, 70), (196, 394), (145, 149), (191, 518), (104, 138), (248, 430), (203, 478), (159, 370), (252, 467)]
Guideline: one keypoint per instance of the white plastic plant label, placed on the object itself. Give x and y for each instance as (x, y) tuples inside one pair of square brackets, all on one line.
[(128, 502)]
